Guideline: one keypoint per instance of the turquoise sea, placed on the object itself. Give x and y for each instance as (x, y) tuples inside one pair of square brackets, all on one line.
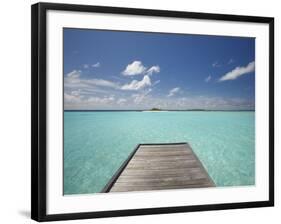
[(97, 143)]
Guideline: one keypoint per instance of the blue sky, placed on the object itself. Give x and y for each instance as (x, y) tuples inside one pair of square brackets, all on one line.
[(106, 70)]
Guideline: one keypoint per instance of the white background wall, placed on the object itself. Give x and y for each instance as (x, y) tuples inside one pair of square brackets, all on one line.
[(15, 110)]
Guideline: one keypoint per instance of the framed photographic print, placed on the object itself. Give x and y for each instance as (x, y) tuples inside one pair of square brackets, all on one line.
[(138, 111)]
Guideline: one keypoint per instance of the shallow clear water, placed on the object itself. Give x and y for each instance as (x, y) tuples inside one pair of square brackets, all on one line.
[(97, 143)]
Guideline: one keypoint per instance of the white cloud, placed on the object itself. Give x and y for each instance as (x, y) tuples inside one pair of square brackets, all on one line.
[(74, 74), (216, 64), (96, 65), (135, 68), (208, 79), (173, 91), (76, 99), (138, 98), (121, 101), (101, 100), (69, 98), (73, 80), (92, 90), (101, 82), (137, 85), (238, 71), (153, 69), (156, 82), (75, 92)]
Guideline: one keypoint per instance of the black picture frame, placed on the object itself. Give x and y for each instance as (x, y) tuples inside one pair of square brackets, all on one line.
[(38, 110)]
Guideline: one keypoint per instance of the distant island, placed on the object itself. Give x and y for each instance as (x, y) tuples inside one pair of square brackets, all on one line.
[(155, 109)]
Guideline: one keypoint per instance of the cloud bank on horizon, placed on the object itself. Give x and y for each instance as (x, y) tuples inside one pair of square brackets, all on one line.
[(154, 74)]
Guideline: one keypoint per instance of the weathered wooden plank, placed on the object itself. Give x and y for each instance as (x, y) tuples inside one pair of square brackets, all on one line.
[(161, 150), (135, 179), (176, 157), (159, 167), (161, 162), (162, 183), (151, 188), (167, 153), (164, 167), (158, 149), (171, 172), (159, 159)]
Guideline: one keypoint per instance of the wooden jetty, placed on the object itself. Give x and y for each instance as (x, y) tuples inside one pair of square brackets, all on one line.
[(160, 167)]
